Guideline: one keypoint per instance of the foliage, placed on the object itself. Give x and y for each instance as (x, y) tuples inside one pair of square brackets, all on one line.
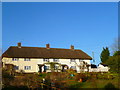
[(15, 88), (52, 65), (116, 53), (115, 45), (109, 85), (42, 75), (75, 85), (32, 80), (104, 54), (70, 71), (82, 76), (6, 74), (6, 77), (114, 63)]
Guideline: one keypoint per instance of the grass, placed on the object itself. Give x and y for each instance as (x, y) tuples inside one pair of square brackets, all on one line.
[(95, 83), (64, 80)]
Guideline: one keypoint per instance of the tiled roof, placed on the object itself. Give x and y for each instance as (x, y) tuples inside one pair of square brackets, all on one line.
[(38, 52)]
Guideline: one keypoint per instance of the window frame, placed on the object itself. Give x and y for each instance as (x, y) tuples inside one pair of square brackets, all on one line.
[(15, 59), (56, 67), (72, 60), (16, 67), (27, 59), (27, 67), (73, 67), (46, 60), (56, 60), (47, 67)]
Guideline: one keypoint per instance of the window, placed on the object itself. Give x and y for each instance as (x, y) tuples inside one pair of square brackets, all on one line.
[(15, 59), (80, 60), (55, 60), (72, 60), (47, 67), (46, 60), (16, 67), (56, 67), (73, 67), (26, 59), (27, 67)]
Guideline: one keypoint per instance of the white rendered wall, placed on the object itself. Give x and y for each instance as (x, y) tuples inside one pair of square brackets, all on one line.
[(34, 63), (21, 63), (102, 68)]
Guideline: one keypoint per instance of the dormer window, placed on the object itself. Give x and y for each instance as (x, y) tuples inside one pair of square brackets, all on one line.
[(55, 60), (72, 60), (26, 59), (15, 59), (45, 60)]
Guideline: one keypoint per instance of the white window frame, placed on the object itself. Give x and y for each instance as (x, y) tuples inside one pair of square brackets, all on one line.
[(27, 67), (26, 59), (15, 59), (72, 60), (56, 67), (55, 60), (46, 60), (47, 67), (73, 67)]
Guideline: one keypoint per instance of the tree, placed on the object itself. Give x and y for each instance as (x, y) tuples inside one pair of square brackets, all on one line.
[(114, 63), (116, 53), (104, 54), (6, 77), (115, 45)]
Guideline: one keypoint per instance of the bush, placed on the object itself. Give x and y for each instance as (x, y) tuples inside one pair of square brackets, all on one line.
[(15, 88), (109, 85), (75, 85), (82, 76), (42, 75)]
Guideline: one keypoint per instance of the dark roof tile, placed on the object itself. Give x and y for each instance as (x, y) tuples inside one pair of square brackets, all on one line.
[(38, 52)]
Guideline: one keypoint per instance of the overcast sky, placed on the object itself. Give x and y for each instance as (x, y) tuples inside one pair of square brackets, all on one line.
[(87, 26)]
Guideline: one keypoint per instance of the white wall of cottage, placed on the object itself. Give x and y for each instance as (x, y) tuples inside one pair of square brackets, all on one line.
[(34, 63)]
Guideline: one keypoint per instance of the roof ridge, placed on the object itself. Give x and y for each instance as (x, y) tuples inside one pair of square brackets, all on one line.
[(44, 47)]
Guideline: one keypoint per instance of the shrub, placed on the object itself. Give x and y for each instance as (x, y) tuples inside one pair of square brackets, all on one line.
[(82, 76), (109, 85), (75, 85), (42, 75)]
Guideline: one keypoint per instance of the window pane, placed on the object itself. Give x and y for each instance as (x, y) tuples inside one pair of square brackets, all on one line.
[(73, 67), (27, 67), (15, 59), (16, 67), (72, 60), (46, 60), (26, 59), (46, 67), (55, 60), (56, 67)]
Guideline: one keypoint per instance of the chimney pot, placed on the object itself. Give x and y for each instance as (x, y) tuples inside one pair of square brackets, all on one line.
[(72, 47), (19, 44), (48, 46)]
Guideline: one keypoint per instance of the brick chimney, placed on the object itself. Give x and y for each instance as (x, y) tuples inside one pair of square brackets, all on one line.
[(19, 44), (48, 46), (72, 47)]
